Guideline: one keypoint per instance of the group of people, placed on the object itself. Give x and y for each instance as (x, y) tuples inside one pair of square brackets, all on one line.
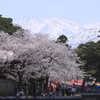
[(19, 92), (90, 89), (60, 90), (65, 90)]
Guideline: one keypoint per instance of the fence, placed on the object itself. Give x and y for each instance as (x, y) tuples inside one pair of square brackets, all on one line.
[(45, 98), (90, 96), (84, 96)]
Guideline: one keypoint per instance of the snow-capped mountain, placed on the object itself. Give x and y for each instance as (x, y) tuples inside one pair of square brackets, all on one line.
[(85, 36), (55, 27)]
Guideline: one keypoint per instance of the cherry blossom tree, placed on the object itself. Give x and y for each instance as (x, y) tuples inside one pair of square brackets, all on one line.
[(37, 55)]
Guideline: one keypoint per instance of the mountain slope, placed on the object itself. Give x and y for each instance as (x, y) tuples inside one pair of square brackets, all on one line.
[(85, 36), (55, 27)]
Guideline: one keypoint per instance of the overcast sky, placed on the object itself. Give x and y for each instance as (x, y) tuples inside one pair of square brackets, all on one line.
[(80, 11)]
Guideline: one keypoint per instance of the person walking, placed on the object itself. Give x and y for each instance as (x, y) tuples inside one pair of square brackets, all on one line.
[(15, 90), (34, 92)]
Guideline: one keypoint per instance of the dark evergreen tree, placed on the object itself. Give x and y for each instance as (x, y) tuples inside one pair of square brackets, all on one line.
[(62, 39), (89, 54), (7, 26)]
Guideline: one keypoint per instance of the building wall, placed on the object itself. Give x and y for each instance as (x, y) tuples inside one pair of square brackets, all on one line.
[(9, 89)]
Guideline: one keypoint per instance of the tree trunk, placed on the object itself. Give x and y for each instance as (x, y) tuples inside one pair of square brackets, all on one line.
[(47, 78), (20, 83)]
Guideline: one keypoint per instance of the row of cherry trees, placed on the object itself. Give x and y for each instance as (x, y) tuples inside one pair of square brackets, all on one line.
[(33, 56)]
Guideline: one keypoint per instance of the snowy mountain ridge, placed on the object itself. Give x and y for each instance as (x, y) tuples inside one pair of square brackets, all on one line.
[(55, 27)]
